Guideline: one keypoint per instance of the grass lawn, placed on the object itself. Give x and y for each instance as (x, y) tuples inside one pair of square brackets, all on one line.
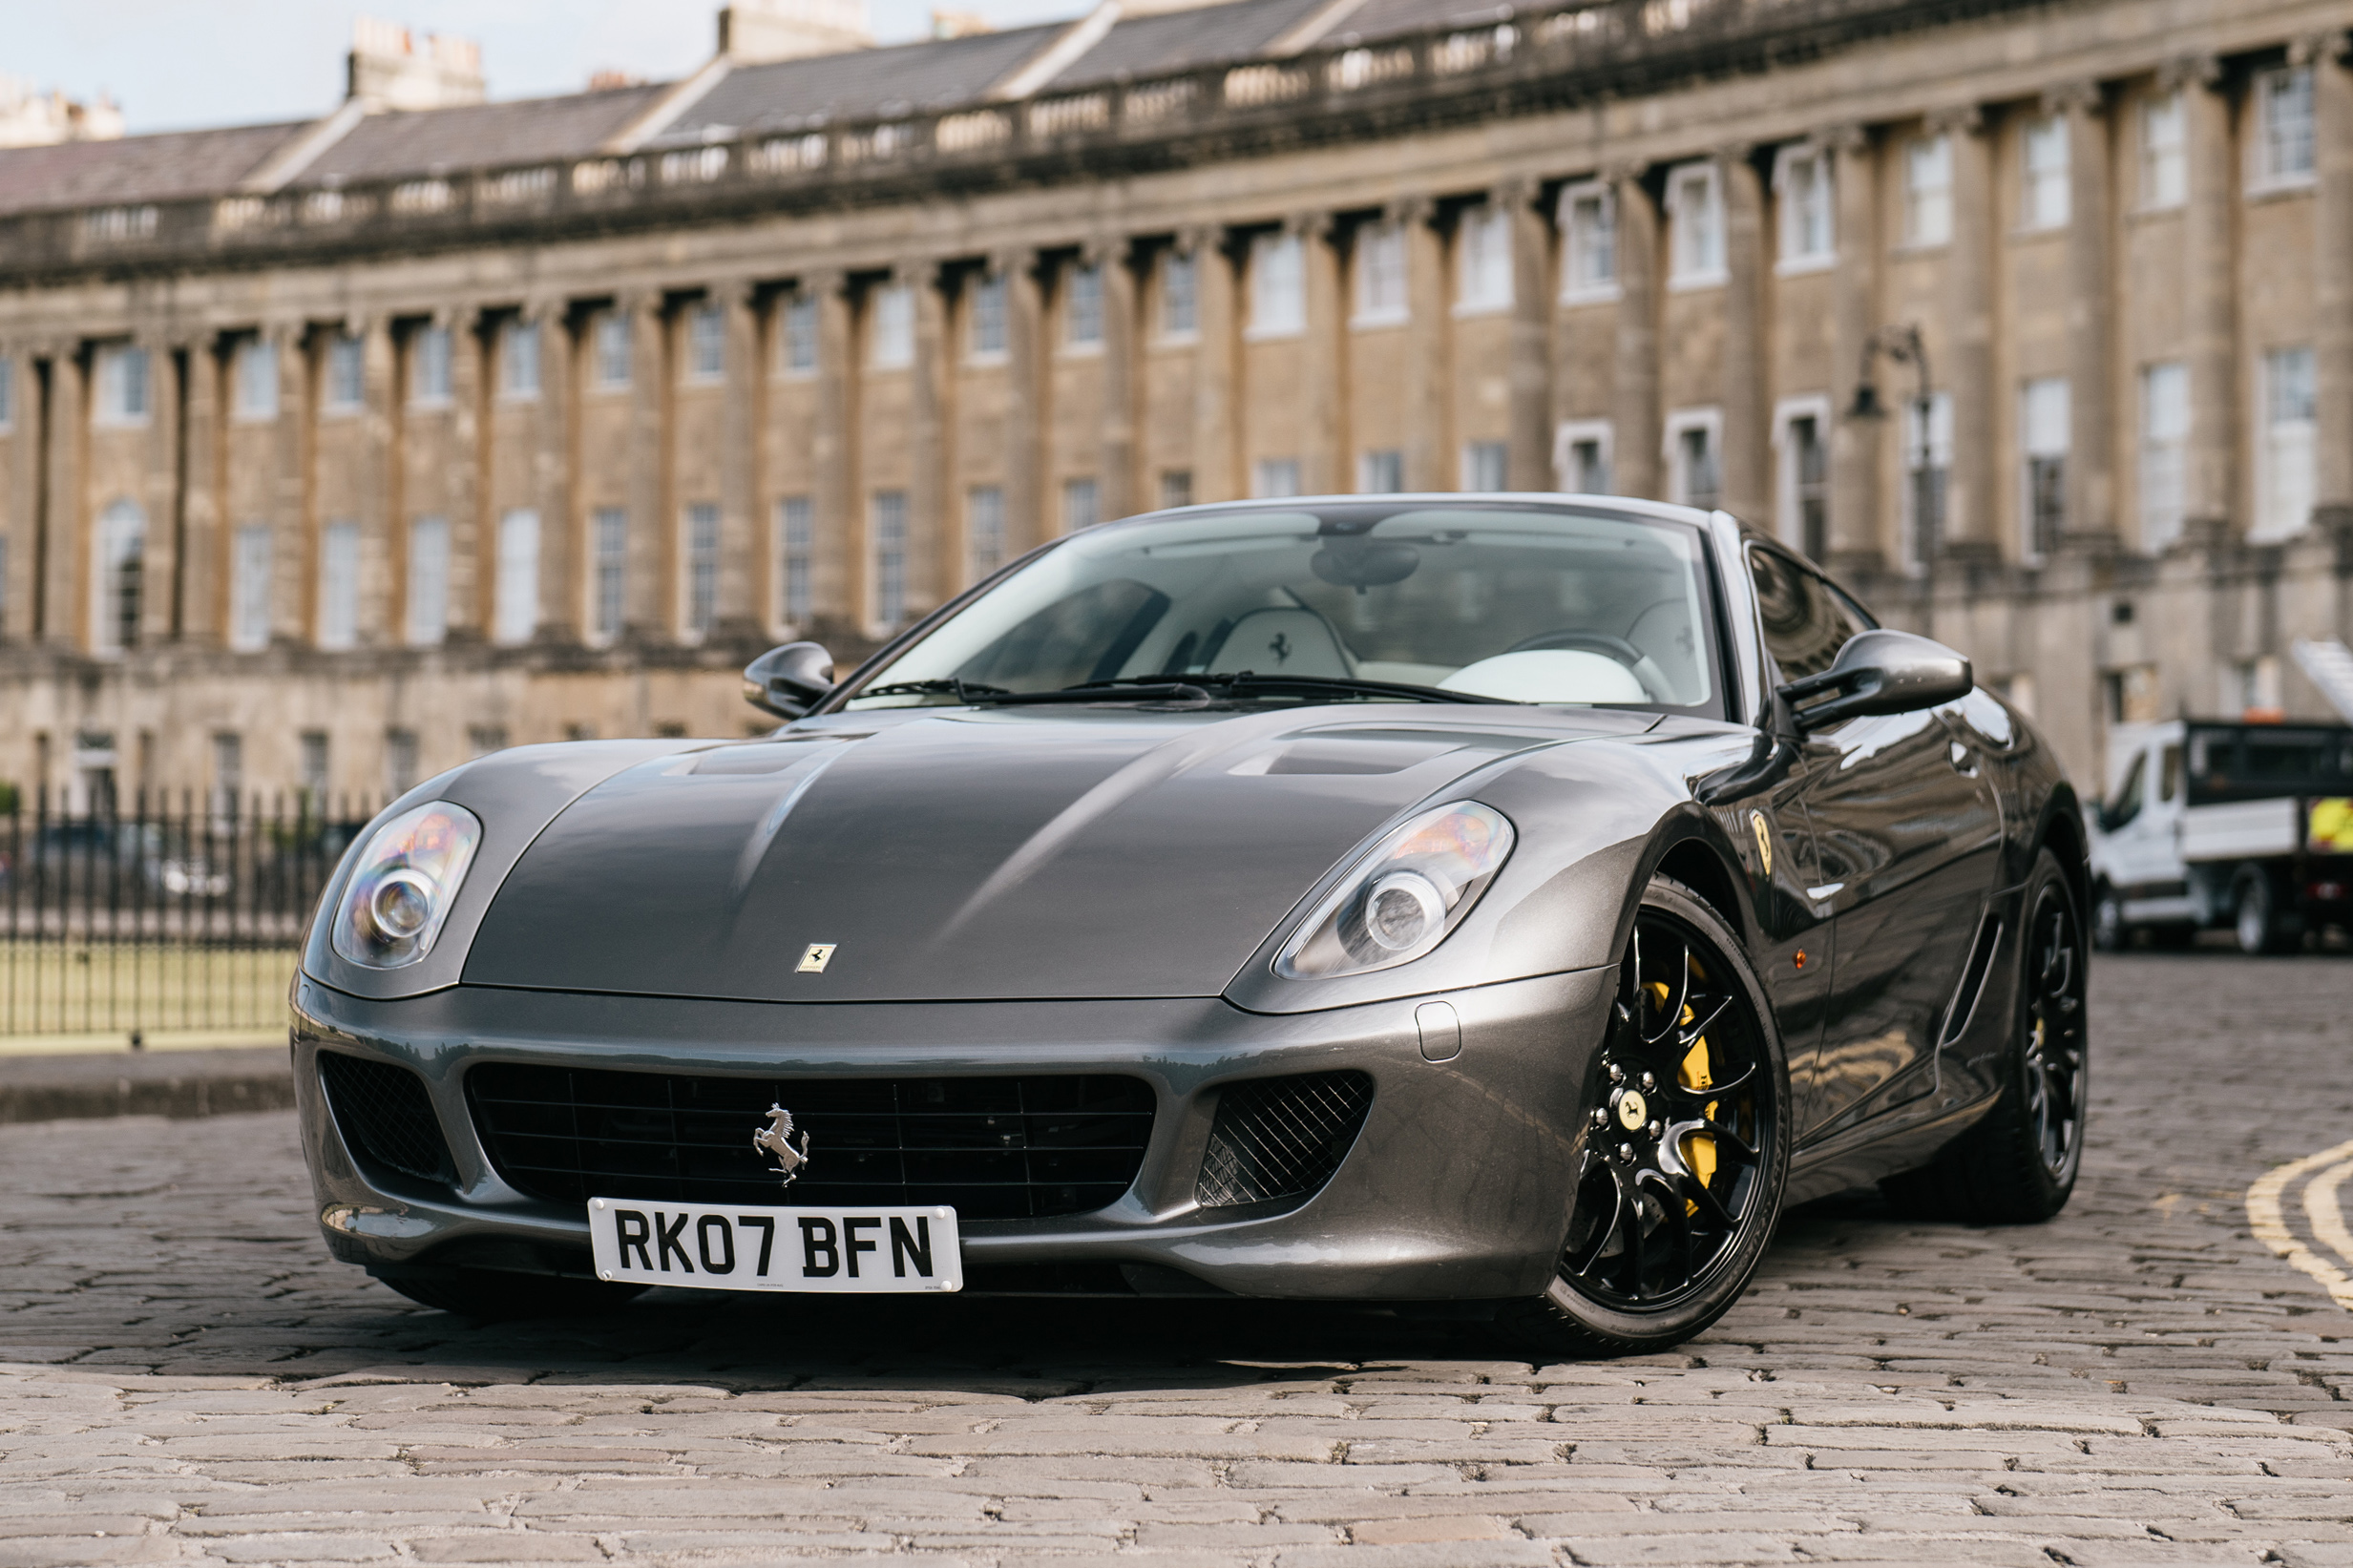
[(96, 989)]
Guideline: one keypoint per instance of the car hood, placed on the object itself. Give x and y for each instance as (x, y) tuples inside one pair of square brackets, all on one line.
[(1059, 852)]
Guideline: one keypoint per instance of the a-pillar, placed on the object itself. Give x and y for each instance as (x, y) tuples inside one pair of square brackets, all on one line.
[(930, 575), (1528, 361), (738, 614), (2210, 304), (2092, 436), (1429, 328), (1746, 414), (1217, 364), (1123, 389), (1635, 390), (1968, 530), (837, 566), (2332, 223), (1856, 543)]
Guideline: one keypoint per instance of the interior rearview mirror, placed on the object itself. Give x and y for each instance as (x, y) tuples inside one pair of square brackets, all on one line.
[(790, 680), (1880, 671)]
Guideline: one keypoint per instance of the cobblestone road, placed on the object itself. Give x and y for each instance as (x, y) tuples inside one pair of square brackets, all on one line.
[(184, 1377)]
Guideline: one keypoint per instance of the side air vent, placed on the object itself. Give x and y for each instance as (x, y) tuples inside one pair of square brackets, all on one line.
[(1281, 1137), (386, 1117)]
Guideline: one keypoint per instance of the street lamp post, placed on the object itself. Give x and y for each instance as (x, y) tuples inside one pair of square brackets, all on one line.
[(1903, 346)]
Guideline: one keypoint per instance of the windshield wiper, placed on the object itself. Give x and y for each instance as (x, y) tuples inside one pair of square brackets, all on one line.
[(1197, 688), (963, 691)]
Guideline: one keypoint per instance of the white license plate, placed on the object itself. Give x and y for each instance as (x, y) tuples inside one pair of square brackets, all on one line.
[(732, 1247)]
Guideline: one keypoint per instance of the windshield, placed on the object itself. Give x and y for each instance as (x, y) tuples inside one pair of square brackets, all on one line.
[(1522, 602)]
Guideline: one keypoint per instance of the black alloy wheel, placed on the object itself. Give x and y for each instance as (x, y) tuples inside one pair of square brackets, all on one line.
[(1684, 1144), (2054, 1048)]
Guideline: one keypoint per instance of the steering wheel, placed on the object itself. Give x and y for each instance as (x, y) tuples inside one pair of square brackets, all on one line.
[(1591, 643)]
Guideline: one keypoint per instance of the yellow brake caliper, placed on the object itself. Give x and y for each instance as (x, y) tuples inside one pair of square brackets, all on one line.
[(1696, 1073)]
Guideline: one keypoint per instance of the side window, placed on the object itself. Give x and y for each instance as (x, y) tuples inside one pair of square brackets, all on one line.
[(2126, 804), (1806, 621), (2169, 776)]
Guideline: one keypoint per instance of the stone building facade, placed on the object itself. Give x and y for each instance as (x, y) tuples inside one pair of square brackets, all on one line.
[(334, 452)]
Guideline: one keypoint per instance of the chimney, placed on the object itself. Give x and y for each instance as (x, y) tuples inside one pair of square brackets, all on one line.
[(392, 68), (30, 119), (753, 30)]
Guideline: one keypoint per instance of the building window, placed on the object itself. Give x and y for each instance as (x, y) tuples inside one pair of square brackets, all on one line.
[(1927, 467), (799, 338), (400, 761), (1274, 478), (1380, 473), (339, 585), (1588, 242), (893, 327), (706, 344), (1694, 457), (796, 548), (346, 374), (1802, 182), (1082, 505), (2042, 193), (1484, 464), (1380, 275), (429, 581), (988, 322), (481, 739), (314, 759), (257, 379), (2043, 444), (122, 384), (8, 392), (1581, 453), (1082, 308), (2284, 137), (608, 554), (1484, 281), (1805, 476), (518, 360), (4, 585), (1179, 308), (889, 518), (1928, 190), (984, 529), (228, 774), (2164, 151), (122, 545), (1278, 286), (249, 588), (2164, 441), (614, 334), (702, 568), (2283, 473), (1696, 211), (1176, 487), (429, 367), (515, 609)]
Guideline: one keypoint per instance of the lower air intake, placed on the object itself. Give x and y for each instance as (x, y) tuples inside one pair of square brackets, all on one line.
[(386, 1117), (1281, 1137)]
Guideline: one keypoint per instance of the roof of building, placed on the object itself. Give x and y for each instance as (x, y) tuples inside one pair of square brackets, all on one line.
[(935, 74), (1149, 46), (389, 144), (134, 169)]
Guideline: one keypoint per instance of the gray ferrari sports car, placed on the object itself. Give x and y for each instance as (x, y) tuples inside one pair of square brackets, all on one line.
[(1504, 900)]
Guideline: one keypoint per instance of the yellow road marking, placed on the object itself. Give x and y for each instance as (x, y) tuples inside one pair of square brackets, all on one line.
[(2264, 1212)]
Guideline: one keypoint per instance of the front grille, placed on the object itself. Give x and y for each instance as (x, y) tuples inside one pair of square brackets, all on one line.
[(386, 1117), (1281, 1137), (1010, 1148)]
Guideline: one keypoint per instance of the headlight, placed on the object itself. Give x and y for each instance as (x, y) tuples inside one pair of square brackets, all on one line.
[(401, 890), (1401, 899)]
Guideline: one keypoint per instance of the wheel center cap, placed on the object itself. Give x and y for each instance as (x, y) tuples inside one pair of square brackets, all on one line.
[(1631, 1111)]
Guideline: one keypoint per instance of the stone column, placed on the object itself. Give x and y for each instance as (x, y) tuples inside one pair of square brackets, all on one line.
[(63, 522), (24, 490), (1635, 418), (1528, 456), (469, 401), (928, 582), (2209, 304), (199, 529), (838, 564), (1968, 349), (650, 382), (1430, 463), (381, 474), (1323, 453), (738, 618), (1123, 373), (1217, 380), (1748, 410), (552, 459), (293, 529), (2093, 433), (1857, 545), (2332, 224), (160, 492)]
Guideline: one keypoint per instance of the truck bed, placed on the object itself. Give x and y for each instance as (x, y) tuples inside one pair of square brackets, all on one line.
[(2240, 830)]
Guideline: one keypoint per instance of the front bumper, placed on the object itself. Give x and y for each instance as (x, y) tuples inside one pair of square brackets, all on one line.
[(1457, 1187)]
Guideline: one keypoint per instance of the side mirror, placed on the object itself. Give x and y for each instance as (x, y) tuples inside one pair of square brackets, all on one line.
[(790, 680), (1880, 671)]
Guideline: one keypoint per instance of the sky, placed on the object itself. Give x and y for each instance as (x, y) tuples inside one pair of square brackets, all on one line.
[(175, 64)]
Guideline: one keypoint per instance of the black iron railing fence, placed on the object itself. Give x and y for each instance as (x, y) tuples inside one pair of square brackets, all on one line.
[(162, 912)]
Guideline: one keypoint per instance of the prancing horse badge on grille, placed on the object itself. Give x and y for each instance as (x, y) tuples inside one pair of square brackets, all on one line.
[(776, 1138)]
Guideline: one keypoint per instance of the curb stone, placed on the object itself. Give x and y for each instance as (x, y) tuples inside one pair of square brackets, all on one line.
[(178, 1084)]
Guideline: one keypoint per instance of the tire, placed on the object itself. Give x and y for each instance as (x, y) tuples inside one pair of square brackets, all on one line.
[(2256, 918), (2018, 1164), (2109, 931), (493, 1296), (1672, 1211)]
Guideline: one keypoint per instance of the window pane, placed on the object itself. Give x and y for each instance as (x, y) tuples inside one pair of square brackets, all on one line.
[(1380, 272), (257, 379), (894, 328), (1592, 249), (984, 529), (796, 524), (609, 546), (345, 372), (1084, 319), (516, 602), (989, 315), (428, 581), (1928, 186), (1483, 466), (800, 336), (431, 366), (2287, 149), (339, 585), (2164, 154), (1278, 302), (521, 377), (1381, 472), (1178, 308), (1176, 487), (2045, 192), (891, 556), (614, 334), (249, 608), (1080, 508), (701, 567), (1274, 478)]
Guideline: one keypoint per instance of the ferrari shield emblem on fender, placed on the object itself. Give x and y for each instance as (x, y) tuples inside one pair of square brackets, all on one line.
[(815, 959), (776, 1138), (1764, 839)]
